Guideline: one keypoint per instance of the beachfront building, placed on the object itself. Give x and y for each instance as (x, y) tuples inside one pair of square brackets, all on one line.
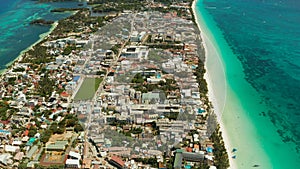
[(181, 157)]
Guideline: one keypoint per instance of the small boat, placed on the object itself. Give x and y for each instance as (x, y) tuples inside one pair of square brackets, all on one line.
[(234, 150), (234, 157), (211, 7), (256, 165)]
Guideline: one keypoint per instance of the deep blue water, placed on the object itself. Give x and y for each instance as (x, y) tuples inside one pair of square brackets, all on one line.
[(265, 37), (16, 34)]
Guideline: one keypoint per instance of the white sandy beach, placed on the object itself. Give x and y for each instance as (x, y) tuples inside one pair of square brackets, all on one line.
[(210, 51), (225, 80)]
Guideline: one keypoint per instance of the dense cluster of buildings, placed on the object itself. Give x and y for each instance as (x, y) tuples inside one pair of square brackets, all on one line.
[(147, 104), (157, 119)]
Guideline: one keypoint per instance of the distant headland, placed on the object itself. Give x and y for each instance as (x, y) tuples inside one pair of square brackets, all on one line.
[(41, 22)]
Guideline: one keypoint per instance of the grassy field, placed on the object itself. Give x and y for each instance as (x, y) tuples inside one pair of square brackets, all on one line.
[(88, 88)]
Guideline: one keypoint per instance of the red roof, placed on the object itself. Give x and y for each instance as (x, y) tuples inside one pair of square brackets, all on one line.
[(189, 149), (97, 166), (64, 94), (118, 160), (26, 132), (81, 116), (4, 122)]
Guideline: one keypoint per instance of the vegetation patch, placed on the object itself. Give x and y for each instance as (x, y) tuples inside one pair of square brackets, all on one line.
[(88, 88)]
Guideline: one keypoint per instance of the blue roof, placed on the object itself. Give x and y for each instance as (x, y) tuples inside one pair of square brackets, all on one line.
[(209, 149), (5, 131), (158, 76), (187, 166), (200, 111), (76, 78), (30, 141)]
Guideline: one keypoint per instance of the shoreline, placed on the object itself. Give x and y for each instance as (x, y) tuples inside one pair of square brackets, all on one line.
[(21, 54), (211, 95), (237, 124)]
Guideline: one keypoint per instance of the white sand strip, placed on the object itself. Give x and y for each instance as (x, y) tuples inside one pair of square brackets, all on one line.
[(208, 45)]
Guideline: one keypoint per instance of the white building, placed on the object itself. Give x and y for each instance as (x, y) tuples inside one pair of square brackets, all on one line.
[(72, 163), (5, 158), (135, 52), (12, 149), (74, 155)]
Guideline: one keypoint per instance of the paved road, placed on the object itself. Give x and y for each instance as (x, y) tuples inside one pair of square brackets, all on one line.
[(100, 88)]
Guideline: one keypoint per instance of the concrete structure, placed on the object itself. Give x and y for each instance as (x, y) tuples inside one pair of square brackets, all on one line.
[(72, 163), (11, 149), (5, 158), (74, 155), (135, 52), (186, 156), (151, 97)]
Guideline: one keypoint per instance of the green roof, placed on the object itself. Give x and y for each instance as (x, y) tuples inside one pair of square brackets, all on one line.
[(58, 145), (179, 151), (32, 151), (150, 96), (178, 159), (61, 142)]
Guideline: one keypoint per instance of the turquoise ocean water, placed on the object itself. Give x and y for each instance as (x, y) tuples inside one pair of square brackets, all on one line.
[(264, 36), (16, 34)]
